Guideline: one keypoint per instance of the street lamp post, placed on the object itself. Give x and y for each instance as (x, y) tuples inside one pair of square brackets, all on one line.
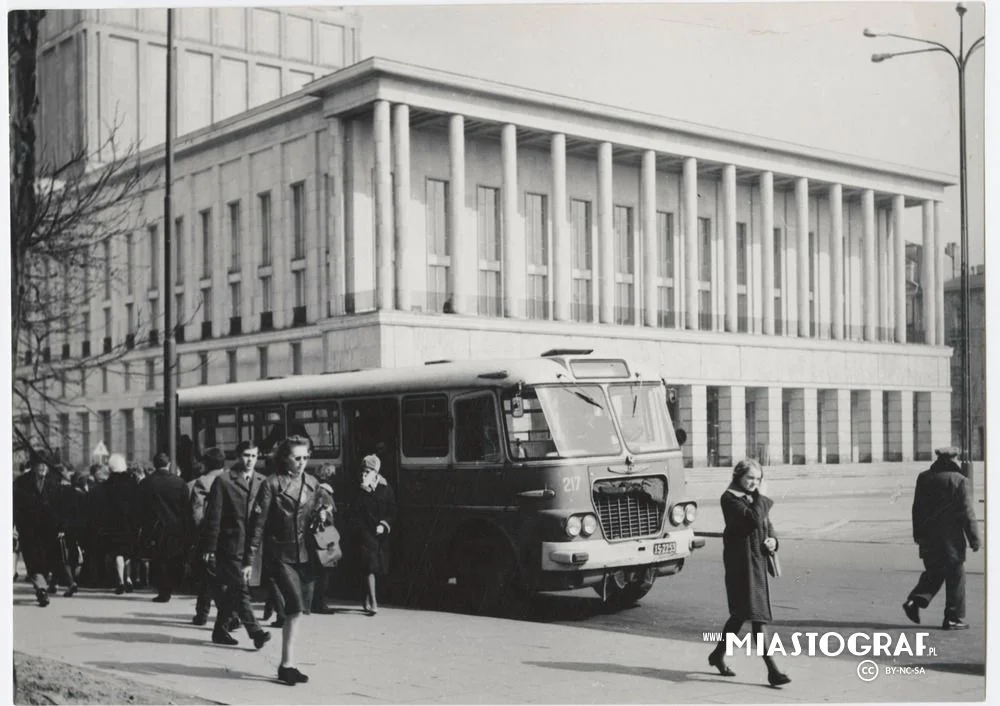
[(961, 60)]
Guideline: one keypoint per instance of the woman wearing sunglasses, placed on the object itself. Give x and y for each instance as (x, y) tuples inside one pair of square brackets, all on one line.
[(290, 504)]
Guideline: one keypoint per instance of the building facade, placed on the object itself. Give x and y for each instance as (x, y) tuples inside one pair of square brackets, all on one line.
[(388, 214)]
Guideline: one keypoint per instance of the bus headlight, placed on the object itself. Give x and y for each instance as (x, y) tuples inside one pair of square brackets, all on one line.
[(690, 513), (589, 525), (677, 514), (573, 526)]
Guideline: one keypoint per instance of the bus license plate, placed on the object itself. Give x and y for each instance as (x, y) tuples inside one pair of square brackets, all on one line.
[(664, 548)]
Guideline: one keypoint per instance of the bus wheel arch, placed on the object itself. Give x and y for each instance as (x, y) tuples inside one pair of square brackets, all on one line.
[(483, 560)]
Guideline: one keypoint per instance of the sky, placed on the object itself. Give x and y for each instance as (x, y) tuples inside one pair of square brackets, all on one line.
[(799, 72)]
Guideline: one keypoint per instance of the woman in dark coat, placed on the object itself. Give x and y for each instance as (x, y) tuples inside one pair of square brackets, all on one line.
[(290, 504), (747, 540), (117, 510), (373, 513)]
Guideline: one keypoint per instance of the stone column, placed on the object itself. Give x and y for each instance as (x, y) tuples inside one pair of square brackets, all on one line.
[(689, 197), (561, 247), (461, 269), (605, 234), (513, 231), (870, 284), (335, 166), (767, 250), (938, 277), (693, 404), (927, 284), (650, 249), (383, 207), (732, 424), (803, 427), (729, 235), (401, 202), (837, 260), (350, 231), (802, 247)]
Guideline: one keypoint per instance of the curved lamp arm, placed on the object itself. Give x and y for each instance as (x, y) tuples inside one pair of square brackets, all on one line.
[(878, 58), (978, 44)]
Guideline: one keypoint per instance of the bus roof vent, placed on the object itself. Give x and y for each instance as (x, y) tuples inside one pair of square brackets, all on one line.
[(567, 351), (437, 362), (497, 375)]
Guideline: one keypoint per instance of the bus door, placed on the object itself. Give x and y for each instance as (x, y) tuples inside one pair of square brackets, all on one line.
[(478, 460), (372, 426)]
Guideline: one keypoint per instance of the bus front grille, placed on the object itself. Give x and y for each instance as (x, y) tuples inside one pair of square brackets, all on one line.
[(630, 508)]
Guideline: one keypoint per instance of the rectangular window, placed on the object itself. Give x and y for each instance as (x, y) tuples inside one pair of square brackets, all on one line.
[(296, 359), (298, 221), (107, 323), (105, 416), (128, 420), (206, 242), (321, 422), (438, 244), (235, 251), (299, 285), (130, 319), (83, 382), (779, 250), (126, 376), (84, 419), (106, 255), (262, 361), (705, 249), (235, 294), (179, 250), (64, 437), (582, 259), (477, 433), (230, 366), (624, 264), (179, 315), (666, 316), (104, 380), (425, 426), (129, 261), (206, 304), (266, 301), (264, 208), (153, 238), (488, 230), (742, 298), (203, 368), (150, 374), (536, 231)]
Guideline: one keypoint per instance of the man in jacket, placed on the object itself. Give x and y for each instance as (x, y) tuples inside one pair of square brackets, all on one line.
[(943, 519), (36, 512), (233, 504), (215, 465), (163, 498)]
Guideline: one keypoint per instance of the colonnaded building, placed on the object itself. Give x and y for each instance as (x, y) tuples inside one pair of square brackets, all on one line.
[(386, 214)]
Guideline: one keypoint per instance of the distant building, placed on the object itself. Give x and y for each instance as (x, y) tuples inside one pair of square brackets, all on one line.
[(977, 355), (388, 214)]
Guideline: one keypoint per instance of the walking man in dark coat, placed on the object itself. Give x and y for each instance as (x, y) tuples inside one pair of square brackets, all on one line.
[(233, 504), (943, 519), (36, 517), (163, 497), (215, 465)]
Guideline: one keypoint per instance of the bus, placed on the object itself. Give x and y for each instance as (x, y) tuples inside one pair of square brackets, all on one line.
[(511, 476)]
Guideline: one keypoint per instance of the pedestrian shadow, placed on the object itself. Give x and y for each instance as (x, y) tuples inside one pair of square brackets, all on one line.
[(121, 620), (971, 669), (670, 675), (135, 637), (155, 669), (861, 624)]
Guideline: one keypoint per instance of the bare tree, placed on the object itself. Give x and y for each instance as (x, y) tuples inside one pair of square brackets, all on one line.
[(66, 219)]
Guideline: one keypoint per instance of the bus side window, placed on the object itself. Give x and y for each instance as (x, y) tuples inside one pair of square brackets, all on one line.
[(425, 426), (477, 437)]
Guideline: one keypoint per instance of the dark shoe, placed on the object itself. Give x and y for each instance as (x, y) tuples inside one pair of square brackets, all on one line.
[(716, 660), (261, 639), (912, 611), (291, 676), (199, 619), (325, 610), (954, 625), (120, 589), (161, 598), (128, 588), (777, 679), (42, 596), (221, 637), (70, 591), (279, 623), (53, 589)]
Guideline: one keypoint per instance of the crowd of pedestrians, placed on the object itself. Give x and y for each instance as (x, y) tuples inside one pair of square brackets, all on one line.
[(120, 526)]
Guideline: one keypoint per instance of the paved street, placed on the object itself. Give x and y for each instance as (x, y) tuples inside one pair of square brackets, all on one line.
[(848, 563)]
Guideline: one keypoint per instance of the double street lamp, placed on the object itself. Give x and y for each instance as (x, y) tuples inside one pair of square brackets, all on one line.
[(961, 59)]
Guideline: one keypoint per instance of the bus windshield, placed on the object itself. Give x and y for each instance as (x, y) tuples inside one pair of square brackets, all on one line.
[(642, 414), (561, 422)]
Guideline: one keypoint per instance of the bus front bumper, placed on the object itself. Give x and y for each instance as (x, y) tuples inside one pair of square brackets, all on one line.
[(599, 555)]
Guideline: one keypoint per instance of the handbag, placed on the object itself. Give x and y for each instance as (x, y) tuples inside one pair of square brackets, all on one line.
[(326, 546), (773, 565)]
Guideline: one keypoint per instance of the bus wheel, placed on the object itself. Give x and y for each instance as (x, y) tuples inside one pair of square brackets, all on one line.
[(487, 577), (624, 588)]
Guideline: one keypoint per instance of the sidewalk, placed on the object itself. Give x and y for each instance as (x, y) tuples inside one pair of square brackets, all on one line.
[(409, 656)]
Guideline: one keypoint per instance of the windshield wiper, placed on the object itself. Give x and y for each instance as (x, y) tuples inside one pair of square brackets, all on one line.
[(581, 394)]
